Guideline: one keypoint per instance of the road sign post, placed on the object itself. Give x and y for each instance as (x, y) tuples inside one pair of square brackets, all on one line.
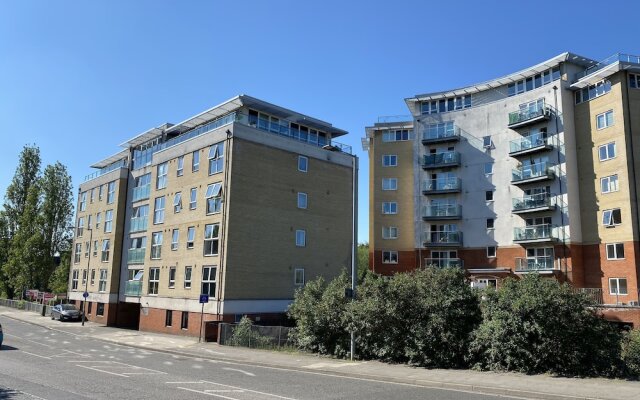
[(204, 298)]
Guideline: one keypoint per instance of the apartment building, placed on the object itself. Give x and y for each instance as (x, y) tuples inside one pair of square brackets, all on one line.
[(534, 172), (244, 202)]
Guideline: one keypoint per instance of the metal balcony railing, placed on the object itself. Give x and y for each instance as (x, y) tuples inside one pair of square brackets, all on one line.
[(542, 170), (528, 143), (139, 224), (618, 57), (532, 202), (534, 264), (442, 211), (529, 113), (441, 160), (133, 288), (445, 185), (136, 256), (442, 132), (443, 238), (443, 262), (141, 192), (533, 233)]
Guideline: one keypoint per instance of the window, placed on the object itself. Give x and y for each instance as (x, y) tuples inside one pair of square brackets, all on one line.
[(486, 142), (187, 277), (615, 251), (108, 221), (611, 217), (74, 280), (156, 245), (180, 168), (609, 184), (301, 238), (89, 307), (105, 250), (191, 236), (184, 321), (89, 222), (298, 277), (389, 257), (158, 211), (397, 135), (209, 281), (77, 253), (102, 284), (444, 105), (607, 151), (93, 195), (168, 318), (100, 309), (534, 82), (161, 178), (618, 286), (216, 158), (604, 120), (592, 91), (488, 168), (154, 280), (87, 248), (490, 223), (634, 81), (100, 193), (488, 195), (491, 251), (193, 199), (95, 248), (389, 207), (389, 232), (172, 277), (175, 237), (303, 163), (211, 233), (80, 229), (177, 202), (83, 201), (195, 161), (302, 200), (389, 160), (213, 198), (111, 192), (98, 220), (84, 277), (92, 281), (389, 183)]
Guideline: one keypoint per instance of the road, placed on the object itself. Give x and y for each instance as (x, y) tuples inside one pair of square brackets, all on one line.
[(39, 363)]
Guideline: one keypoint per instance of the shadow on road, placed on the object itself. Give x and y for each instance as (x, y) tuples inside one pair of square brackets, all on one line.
[(4, 348), (6, 393)]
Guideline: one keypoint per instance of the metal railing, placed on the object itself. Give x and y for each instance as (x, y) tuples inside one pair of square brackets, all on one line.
[(531, 111), (259, 337), (441, 159), (443, 262), (133, 288), (529, 142), (139, 224), (136, 256), (533, 201), (442, 184), (141, 192), (534, 264), (107, 169), (26, 306), (530, 171), (442, 210), (441, 131), (533, 232), (618, 57), (444, 238), (605, 298)]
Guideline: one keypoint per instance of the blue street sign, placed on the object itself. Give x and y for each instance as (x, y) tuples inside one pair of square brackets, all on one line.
[(85, 294), (204, 298)]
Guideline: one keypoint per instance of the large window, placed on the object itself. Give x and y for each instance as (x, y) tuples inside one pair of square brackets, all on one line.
[(161, 178), (611, 217), (389, 257), (80, 230), (604, 120), (389, 160), (156, 245), (301, 238), (193, 198), (191, 236), (389, 232), (154, 280), (102, 283), (74, 279), (100, 192), (175, 237), (397, 135), (98, 220), (108, 221), (184, 321), (187, 277), (214, 198), (158, 211), (180, 168), (445, 105), (83, 201), (634, 81), (216, 158), (168, 318), (77, 254), (195, 161), (618, 286), (615, 251), (389, 183), (533, 82), (609, 184), (209, 281), (177, 202), (105, 250), (211, 234), (607, 151), (389, 207), (593, 91), (111, 192), (172, 277)]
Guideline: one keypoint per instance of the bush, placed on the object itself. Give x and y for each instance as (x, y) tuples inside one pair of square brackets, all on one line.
[(537, 325), (631, 352), (21, 304), (244, 335)]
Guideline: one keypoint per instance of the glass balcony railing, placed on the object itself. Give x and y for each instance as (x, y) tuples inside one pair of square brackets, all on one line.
[(133, 288), (534, 264), (136, 256), (443, 211), (107, 169), (442, 185), (443, 262), (441, 132), (141, 192), (540, 200), (532, 171), (528, 112), (533, 233), (443, 238), (139, 224), (445, 159), (619, 57), (527, 143)]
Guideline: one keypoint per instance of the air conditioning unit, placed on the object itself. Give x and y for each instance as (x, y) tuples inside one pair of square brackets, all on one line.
[(634, 303)]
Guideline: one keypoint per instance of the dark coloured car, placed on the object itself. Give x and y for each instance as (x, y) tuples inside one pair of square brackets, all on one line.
[(66, 312)]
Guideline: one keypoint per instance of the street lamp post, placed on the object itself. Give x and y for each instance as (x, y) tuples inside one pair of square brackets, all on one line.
[(86, 281)]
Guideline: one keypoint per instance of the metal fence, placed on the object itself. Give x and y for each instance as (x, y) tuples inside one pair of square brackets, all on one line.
[(26, 305), (258, 337)]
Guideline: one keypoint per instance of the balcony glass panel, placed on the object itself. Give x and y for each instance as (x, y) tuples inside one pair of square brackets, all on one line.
[(534, 264), (531, 202), (442, 210), (528, 111), (532, 232), (444, 159), (529, 171), (443, 238), (526, 143), (440, 131), (141, 193), (443, 262), (442, 184), (136, 256), (139, 224), (133, 288)]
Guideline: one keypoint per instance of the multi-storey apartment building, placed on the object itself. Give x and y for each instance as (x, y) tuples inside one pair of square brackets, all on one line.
[(531, 172), (243, 202)]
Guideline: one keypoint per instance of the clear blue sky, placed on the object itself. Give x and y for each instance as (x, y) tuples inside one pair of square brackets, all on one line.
[(79, 77)]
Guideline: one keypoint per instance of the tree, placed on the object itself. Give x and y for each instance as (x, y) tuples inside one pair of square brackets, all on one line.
[(4, 252), (26, 175), (59, 280), (363, 260)]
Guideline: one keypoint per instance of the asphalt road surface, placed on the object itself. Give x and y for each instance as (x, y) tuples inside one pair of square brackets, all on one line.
[(38, 363)]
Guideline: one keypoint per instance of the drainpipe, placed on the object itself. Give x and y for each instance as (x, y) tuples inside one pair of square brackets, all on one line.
[(223, 233), (564, 238)]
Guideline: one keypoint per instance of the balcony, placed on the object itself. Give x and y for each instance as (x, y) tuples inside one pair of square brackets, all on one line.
[(532, 173), (534, 234), (443, 262), (441, 133), (441, 186), (138, 224), (136, 256), (141, 192), (535, 264), (533, 203), (133, 288), (441, 212), (529, 113), (528, 145), (441, 160), (442, 239)]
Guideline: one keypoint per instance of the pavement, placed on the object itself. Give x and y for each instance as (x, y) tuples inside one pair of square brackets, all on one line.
[(501, 384)]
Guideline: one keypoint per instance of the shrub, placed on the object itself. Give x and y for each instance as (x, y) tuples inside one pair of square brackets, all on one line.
[(631, 352), (244, 335), (537, 325), (21, 304)]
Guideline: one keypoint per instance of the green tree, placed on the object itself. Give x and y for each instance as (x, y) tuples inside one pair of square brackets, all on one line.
[(536, 325), (26, 175), (59, 280), (631, 352), (4, 252), (363, 260)]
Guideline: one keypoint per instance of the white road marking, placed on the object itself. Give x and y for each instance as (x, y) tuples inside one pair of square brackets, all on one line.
[(210, 394), (222, 388), (37, 355), (29, 340), (239, 370), (99, 370)]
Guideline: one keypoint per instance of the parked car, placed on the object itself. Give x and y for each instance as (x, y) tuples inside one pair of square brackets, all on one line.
[(66, 312), (1, 336)]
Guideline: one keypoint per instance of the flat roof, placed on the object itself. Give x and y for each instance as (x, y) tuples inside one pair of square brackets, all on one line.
[(111, 159)]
